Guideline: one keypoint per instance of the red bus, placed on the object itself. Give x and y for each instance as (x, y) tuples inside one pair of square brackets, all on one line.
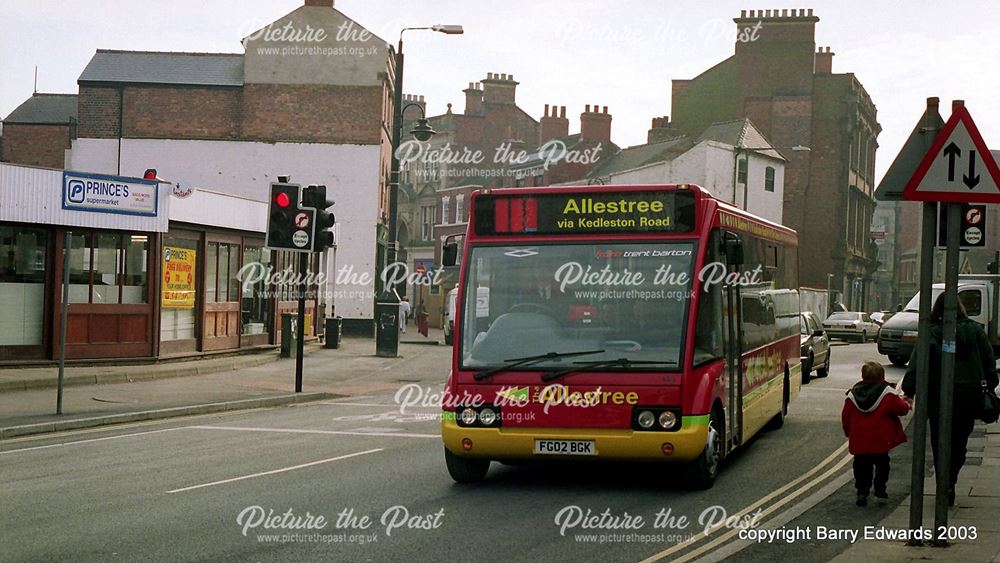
[(618, 322)]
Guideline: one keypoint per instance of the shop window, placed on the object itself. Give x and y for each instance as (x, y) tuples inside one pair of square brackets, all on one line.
[(256, 304), (177, 301), (22, 285), (108, 268), (222, 265)]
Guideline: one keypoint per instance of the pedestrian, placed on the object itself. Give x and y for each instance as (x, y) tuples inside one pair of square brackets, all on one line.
[(871, 423), (974, 363), (404, 313)]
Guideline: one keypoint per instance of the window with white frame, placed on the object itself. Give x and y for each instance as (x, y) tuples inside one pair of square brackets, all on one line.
[(426, 222), (445, 204), (459, 201)]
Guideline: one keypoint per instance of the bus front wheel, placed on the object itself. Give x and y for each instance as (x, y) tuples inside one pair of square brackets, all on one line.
[(703, 470), (466, 470)]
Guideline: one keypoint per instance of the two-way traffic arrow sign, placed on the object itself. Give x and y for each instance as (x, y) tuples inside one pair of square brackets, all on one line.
[(958, 167)]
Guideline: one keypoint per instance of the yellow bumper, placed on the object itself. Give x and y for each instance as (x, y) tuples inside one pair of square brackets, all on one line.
[(621, 444)]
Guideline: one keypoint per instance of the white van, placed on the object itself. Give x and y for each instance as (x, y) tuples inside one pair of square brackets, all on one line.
[(449, 315)]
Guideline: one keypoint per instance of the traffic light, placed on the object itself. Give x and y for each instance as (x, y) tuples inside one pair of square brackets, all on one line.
[(289, 227), (315, 197)]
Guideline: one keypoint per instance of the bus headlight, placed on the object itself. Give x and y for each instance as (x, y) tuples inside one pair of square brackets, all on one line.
[(667, 420), (646, 419), (487, 416), (468, 416)]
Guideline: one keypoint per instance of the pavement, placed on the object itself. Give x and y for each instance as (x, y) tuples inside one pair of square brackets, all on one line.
[(976, 514), (98, 395)]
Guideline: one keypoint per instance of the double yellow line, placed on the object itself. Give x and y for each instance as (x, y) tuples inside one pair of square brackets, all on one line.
[(792, 494)]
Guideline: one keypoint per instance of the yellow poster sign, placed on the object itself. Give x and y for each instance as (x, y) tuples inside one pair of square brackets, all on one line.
[(178, 278)]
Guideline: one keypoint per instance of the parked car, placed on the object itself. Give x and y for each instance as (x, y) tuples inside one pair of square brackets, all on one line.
[(879, 317), (978, 294), (815, 346), (449, 316), (851, 325)]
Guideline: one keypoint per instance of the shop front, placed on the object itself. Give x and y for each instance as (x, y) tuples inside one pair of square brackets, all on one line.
[(110, 226)]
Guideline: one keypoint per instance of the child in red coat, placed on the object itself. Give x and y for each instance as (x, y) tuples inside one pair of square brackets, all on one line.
[(871, 423)]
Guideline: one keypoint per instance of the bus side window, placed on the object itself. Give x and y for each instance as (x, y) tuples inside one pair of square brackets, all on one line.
[(709, 331)]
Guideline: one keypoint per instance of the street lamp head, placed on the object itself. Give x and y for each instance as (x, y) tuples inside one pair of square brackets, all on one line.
[(448, 29), (423, 130)]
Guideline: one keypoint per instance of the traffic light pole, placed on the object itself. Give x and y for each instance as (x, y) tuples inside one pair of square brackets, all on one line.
[(301, 324)]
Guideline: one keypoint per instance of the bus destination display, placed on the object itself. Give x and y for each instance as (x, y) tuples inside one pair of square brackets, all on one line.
[(586, 213)]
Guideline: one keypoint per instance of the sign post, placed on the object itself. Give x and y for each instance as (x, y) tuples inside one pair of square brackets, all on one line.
[(63, 319), (957, 169)]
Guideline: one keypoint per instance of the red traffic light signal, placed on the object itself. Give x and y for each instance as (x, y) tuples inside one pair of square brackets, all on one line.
[(289, 225)]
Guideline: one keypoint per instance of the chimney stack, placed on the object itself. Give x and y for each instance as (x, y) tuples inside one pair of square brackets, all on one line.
[(474, 99), (595, 125), (553, 124), (824, 61), (499, 88), (662, 130)]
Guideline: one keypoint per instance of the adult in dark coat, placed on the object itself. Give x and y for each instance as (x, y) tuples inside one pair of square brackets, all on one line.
[(974, 361)]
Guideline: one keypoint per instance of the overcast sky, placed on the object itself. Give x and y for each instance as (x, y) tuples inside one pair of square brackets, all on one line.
[(622, 54)]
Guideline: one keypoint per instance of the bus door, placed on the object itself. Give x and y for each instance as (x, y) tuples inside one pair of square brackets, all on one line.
[(732, 251)]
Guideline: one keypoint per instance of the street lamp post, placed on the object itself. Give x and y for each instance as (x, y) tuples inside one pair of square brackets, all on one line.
[(397, 130), (387, 345), (746, 152)]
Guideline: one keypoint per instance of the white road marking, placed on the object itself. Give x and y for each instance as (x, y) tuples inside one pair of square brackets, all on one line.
[(275, 471), (60, 444), (302, 431), (841, 451)]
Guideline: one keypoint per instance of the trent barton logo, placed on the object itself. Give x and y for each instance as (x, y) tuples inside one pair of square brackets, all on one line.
[(77, 191)]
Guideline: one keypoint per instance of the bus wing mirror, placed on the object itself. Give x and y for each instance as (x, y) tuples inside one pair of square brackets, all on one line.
[(732, 249), (449, 252)]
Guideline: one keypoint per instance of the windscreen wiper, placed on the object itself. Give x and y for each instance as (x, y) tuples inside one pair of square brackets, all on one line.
[(517, 362), (587, 366)]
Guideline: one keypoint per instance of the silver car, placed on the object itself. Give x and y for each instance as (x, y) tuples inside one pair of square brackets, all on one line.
[(851, 326)]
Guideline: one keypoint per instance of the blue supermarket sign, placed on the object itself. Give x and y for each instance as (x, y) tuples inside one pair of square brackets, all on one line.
[(110, 194)]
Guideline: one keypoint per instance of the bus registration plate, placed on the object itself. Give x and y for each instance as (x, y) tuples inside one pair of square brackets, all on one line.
[(565, 447)]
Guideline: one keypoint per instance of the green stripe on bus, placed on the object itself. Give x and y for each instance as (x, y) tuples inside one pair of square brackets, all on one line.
[(700, 420)]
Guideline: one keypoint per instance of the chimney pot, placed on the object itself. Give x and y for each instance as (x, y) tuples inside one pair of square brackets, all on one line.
[(586, 108), (752, 12), (562, 112), (546, 110), (784, 12), (957, 104), (743, 13), (605, 109), (809, 12), (933, 102)]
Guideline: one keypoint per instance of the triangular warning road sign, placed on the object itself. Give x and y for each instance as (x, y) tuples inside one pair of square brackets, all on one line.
[(958, 167)]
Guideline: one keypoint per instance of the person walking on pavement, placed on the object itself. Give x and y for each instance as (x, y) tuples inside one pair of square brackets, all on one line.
[(974, 363), (870, 419), (404, 313)]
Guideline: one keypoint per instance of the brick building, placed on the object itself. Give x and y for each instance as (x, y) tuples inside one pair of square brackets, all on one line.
[(39, 131), (310, 97), (468, 151), (786, 86)]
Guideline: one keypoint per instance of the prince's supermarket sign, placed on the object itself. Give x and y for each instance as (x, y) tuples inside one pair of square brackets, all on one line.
[(109, 194)]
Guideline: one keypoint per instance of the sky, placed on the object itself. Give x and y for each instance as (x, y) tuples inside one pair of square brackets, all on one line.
[(621, 54)]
